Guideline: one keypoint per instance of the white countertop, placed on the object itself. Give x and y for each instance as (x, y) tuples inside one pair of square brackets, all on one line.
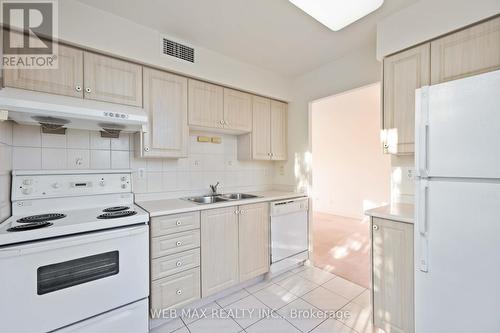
[(401, 212), (175, 206)]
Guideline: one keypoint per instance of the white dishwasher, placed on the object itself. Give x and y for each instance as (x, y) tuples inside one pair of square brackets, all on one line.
[(289, 230)]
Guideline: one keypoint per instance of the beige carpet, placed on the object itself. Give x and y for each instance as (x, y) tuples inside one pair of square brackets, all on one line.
[(341, 245)]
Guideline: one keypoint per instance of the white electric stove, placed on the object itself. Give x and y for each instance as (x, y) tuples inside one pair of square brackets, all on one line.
[(74, 255)]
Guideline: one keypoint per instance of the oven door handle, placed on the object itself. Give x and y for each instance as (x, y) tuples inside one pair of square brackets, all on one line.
[(70, 241)]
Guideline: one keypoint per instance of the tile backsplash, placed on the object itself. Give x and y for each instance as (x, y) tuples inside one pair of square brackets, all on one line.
[(206, 164), (403, 179)]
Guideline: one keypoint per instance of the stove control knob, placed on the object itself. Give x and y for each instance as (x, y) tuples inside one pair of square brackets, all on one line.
[(27, 190), (27, 181), (124, 186), (56, 185), (124, 179)]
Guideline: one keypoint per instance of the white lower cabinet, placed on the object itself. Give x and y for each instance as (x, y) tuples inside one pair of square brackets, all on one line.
[(234, 246), (176, 290), (253, 236), (169, 244), (175, 260), (219, 249), (199, 254), (393, 281), (175, 263)]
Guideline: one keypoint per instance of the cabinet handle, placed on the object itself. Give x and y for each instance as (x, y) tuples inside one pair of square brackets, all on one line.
[(236, 212), (179, 243), (242, 212), (78, 88), (178, 264), (88, 90), (146, 148), (375, 227), (221, 122), (178, 222), (178, 292)]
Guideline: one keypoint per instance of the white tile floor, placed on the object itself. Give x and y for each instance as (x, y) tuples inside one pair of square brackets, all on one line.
[(309, 291)]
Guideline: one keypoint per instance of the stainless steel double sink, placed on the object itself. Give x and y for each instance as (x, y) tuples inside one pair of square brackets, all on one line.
[(209, 199)]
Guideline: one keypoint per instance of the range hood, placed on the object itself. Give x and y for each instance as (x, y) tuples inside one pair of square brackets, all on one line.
[(55, 112)]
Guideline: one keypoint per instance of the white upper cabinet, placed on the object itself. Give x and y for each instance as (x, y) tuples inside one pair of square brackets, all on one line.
[(403, 73), (237, 110), (112, 80), (165, 102), (261, 133), (468, 52), (206, 105), (220, 109), (268, 138), (66, 80), (278, 130)]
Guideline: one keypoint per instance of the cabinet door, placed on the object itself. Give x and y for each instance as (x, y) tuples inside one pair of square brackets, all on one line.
[(165, 101), (278, 130), (403, 74), (66, 80), (468, 52), (237, 110), (112, 80), (176, 290), (393, 275), (253, 240), (219, 250), (261, 128), (206, 107)]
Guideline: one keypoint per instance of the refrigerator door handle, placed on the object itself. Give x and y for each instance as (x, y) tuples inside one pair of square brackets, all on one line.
[(424, 254), (422, 130), (423, 199), (423, 225)]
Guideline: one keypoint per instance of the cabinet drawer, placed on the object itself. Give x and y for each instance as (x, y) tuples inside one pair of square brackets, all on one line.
[(176, 290), (170, 244), (175, 263), (169, 224)]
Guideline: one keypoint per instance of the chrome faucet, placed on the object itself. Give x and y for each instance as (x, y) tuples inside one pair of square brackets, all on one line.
[(213, 188)]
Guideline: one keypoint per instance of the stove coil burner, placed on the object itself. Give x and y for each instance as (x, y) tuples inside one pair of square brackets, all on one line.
[(41, 218), (30, 226), (114, 215), (115, 209)]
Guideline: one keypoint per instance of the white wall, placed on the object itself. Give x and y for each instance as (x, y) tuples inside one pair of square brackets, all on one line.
[(5, 168), (428, 19), (100, 30), (350, 174), (356, 69)]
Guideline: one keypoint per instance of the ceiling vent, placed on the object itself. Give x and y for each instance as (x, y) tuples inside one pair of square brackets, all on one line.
[(178, 50)]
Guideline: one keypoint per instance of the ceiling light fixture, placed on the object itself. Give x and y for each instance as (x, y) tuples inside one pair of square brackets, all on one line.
[(337, 14)]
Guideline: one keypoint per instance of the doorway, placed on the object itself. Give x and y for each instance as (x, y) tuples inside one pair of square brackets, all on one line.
[(349, 175)]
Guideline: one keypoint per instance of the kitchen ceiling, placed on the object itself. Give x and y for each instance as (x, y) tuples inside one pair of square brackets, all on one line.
[(271, 34)]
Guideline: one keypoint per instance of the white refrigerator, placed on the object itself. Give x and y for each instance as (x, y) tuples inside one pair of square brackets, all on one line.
[(457, 230)]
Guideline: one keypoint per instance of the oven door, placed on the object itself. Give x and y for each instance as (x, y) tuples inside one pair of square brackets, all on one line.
[(50, 284)]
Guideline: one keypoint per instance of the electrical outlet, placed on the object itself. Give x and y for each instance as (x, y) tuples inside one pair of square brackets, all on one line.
[(142, 173), (410, 173), (282, 170)]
